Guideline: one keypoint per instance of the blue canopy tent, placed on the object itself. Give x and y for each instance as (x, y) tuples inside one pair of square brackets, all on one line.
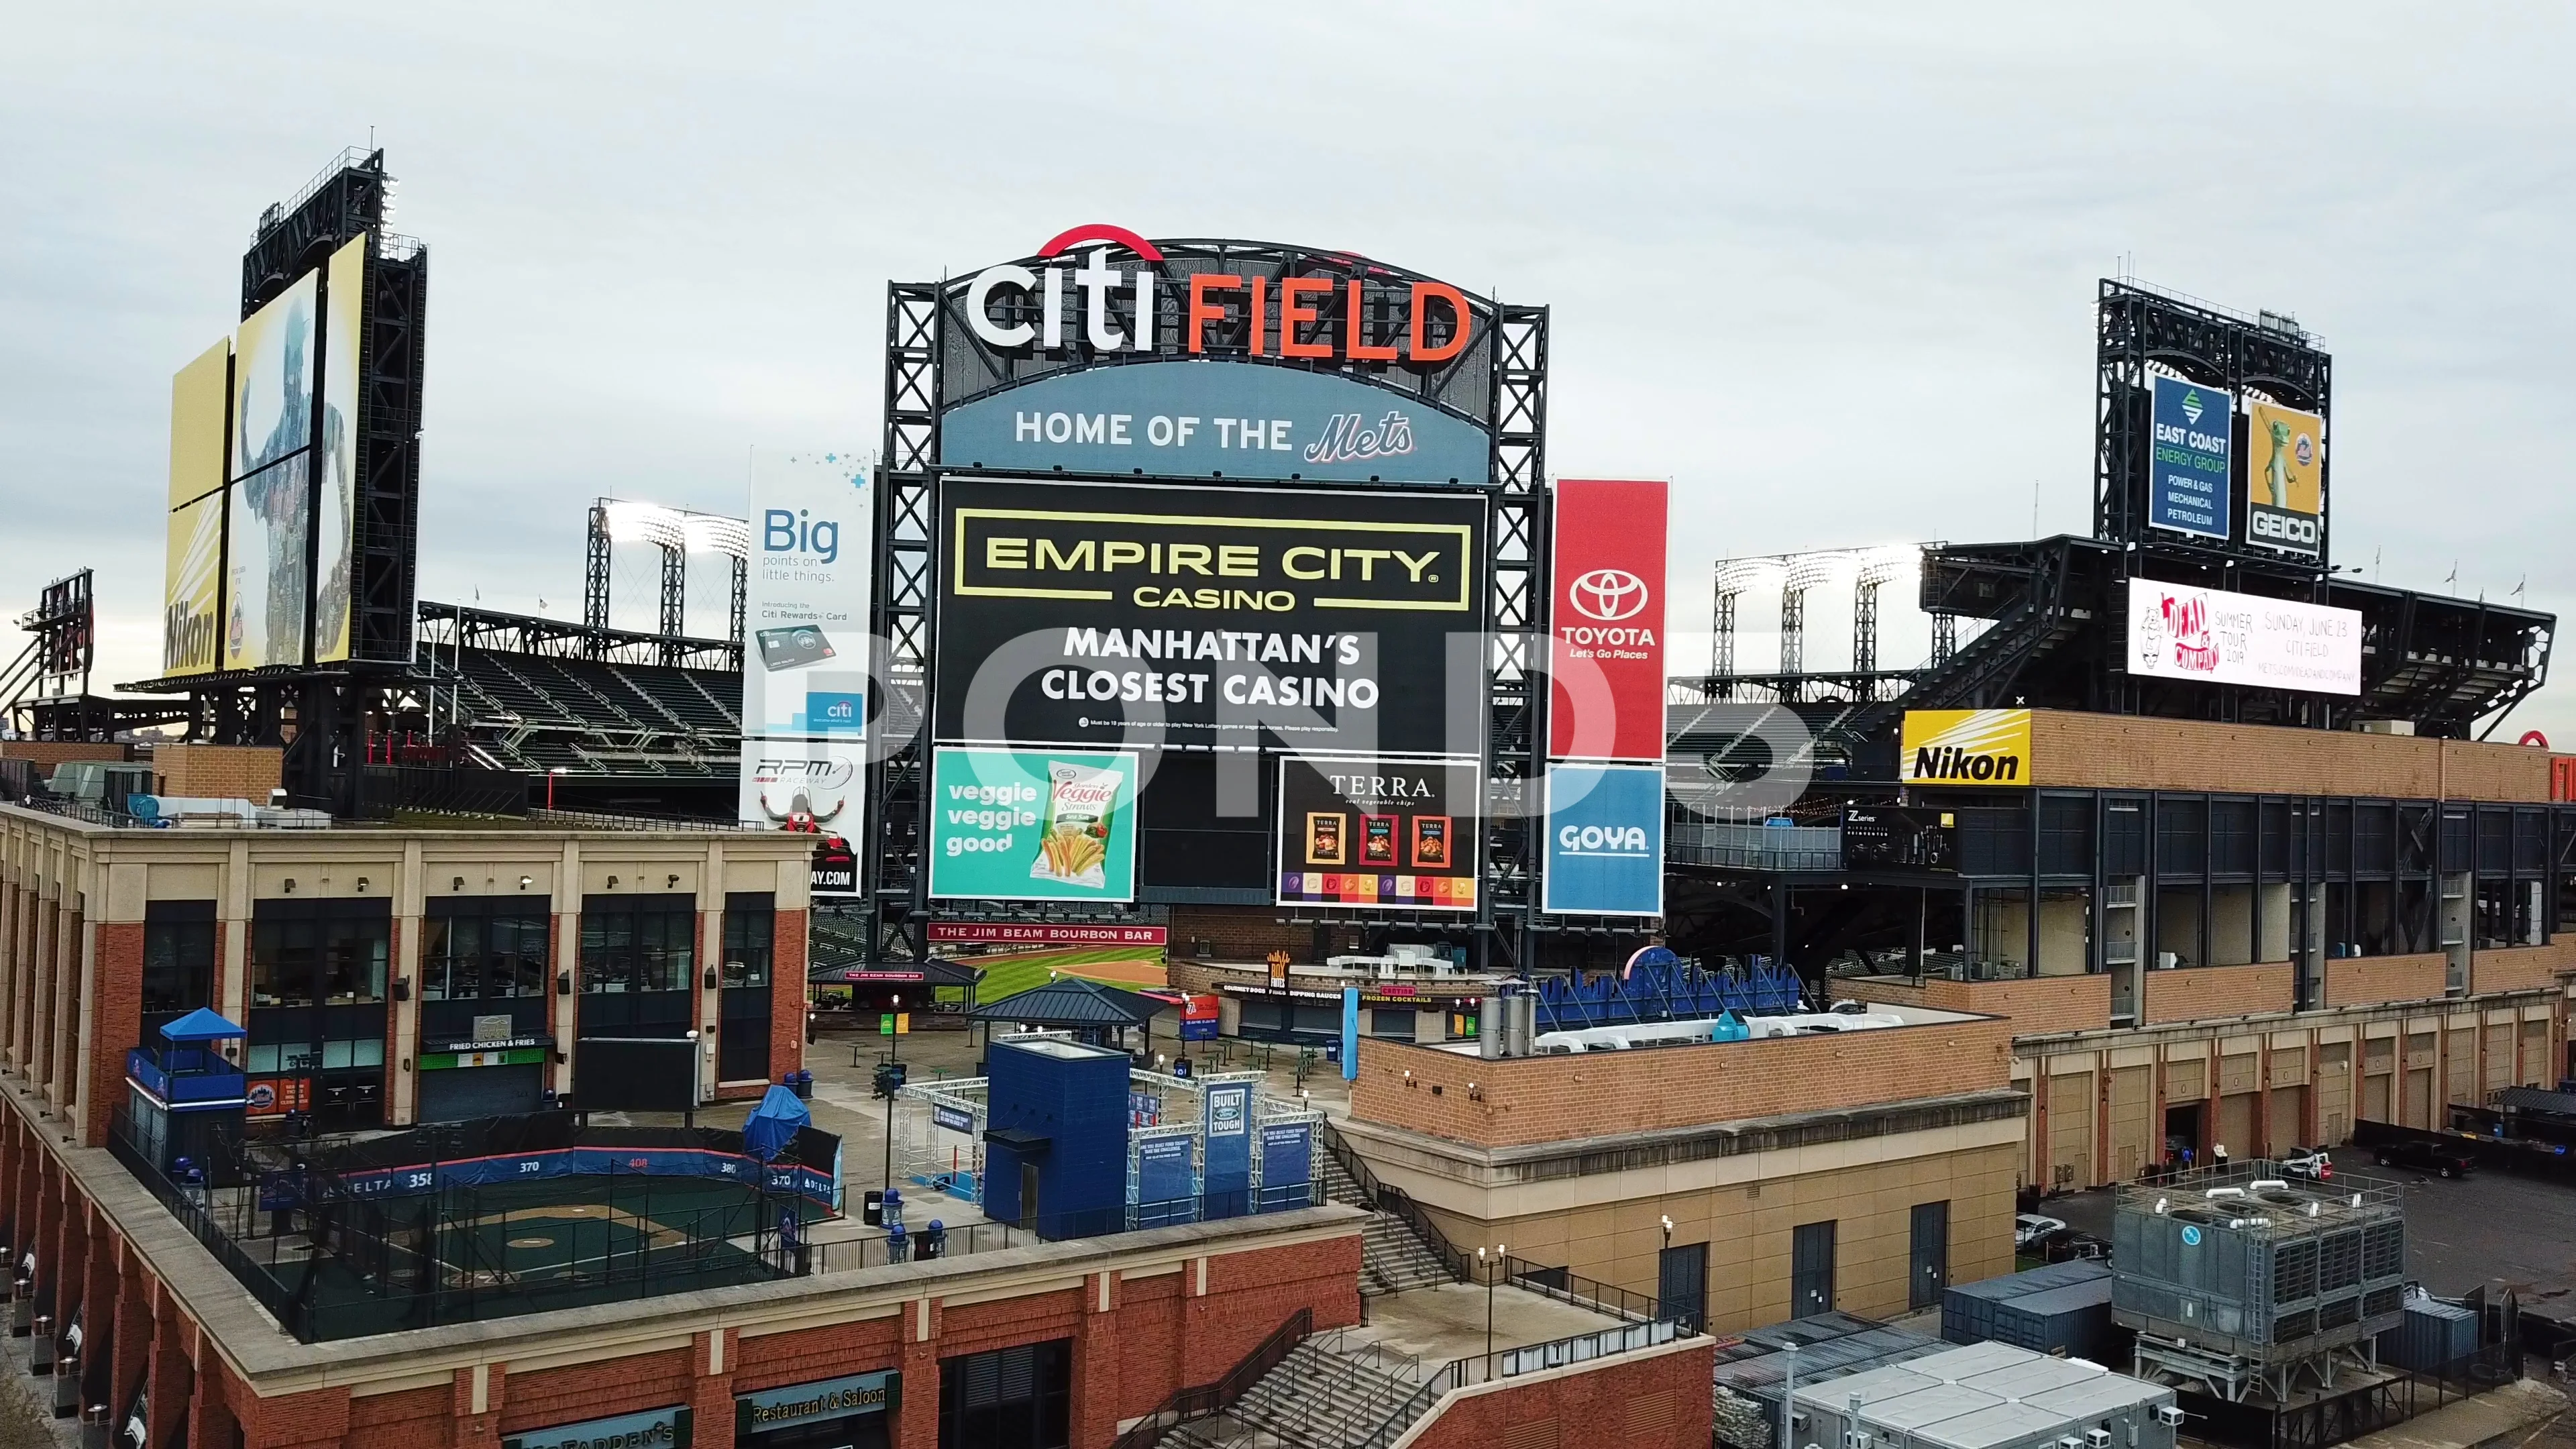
[(774, 1123), (202, 1024), (184, 1100)]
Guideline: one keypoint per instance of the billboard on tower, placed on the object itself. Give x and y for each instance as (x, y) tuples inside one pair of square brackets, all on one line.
[(2285, 467), (805, 691), (1607, 624), (191, 600), (335, 495)]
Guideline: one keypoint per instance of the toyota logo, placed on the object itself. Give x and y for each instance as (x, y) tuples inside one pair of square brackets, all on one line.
[(1608, 595)]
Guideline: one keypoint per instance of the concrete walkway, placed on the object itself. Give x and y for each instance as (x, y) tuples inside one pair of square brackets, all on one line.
[(2503, 1416)]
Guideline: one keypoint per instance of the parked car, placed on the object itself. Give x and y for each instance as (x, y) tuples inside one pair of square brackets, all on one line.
[(2439, 1158), (2030, 1229), (2313, 1163)]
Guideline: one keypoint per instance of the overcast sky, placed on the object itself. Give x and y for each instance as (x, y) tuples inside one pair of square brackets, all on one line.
[(1828, 269)]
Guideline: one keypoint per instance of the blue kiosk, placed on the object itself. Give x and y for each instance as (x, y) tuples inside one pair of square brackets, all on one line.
[(184, 1100)]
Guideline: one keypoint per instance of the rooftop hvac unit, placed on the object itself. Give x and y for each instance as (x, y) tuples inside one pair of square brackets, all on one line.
[(2169, 1415)]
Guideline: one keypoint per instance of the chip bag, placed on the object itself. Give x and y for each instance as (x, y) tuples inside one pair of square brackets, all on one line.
[(1073, 845)]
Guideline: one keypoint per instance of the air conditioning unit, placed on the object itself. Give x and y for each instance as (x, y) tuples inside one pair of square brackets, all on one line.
[(2169, 1415), (2097, 1438)]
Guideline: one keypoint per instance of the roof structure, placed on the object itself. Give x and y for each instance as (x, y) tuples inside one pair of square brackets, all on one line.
[(1070, 1001)]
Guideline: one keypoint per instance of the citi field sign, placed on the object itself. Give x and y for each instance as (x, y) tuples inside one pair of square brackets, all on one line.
[(1106, 353)]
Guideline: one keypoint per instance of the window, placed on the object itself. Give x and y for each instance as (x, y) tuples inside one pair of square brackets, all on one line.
[(1011, 1398), (1811, 1269), (178, 956), (750, 925), (468, 956)]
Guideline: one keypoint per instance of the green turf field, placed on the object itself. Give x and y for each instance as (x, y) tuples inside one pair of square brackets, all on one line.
[(1012, 975)]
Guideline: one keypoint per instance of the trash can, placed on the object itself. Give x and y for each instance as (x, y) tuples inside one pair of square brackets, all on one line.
[(872, 1208)]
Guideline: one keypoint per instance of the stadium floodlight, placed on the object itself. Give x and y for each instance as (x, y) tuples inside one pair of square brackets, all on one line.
[(714, 533), (645, 523)]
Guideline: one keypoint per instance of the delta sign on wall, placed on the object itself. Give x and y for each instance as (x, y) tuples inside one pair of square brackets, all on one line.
[(2188, 487), (1108, 359), (1605, 840), (805, 654), (2179, 632)]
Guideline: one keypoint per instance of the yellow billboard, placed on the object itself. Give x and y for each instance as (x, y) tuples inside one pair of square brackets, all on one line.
[(190, 606), (344, 296), (2285, 467), (193, 546), (197, 425), (1965, 747), (273, 380)]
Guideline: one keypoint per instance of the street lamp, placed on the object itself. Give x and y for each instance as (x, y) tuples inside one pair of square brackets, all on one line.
[(1788, 1396), (1489, 1273)]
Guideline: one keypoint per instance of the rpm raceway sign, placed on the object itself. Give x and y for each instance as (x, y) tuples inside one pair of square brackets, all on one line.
[(2177, 632)]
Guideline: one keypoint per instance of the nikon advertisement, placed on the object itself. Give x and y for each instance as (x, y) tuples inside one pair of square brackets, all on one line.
[(1203, 618), (1379, 832)]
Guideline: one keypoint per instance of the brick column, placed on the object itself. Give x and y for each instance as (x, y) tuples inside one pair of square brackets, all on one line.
[(475, 1411), (63, 1057), (117, 1023), (711, 1390), (315, 1420), (129, 1358), (208, 1412), (917, 1424), (66, 1270), (169, 1381), (100, 1308), (40, 1014), (1094, 1410), (788, 992), (10, 960)]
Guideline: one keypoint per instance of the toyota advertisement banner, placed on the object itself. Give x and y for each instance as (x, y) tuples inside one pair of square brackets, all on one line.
[(1607, 621), (2178, 632)]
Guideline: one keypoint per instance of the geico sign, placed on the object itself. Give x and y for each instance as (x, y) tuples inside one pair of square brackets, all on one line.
[(1294, 328), (2293, 528)]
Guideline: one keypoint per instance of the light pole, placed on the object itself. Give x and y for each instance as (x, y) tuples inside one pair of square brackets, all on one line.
[(1489, 1271), (1788, 1396)]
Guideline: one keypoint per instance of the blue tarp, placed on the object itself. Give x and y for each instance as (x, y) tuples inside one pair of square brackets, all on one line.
[(774, 1123), (202, 1025)]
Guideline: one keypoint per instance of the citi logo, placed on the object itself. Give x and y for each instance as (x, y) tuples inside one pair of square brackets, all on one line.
[(1608, 595), (1296, 326), (1950, 762)]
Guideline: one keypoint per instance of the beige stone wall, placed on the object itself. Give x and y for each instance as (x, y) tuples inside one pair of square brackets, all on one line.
[(2522, 968), (1616, 1235), (217, 772), (2133, 753), (2099, 1099)]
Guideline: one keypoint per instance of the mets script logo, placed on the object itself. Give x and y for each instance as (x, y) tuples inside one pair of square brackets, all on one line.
[(1346, 440), (1608, 595)]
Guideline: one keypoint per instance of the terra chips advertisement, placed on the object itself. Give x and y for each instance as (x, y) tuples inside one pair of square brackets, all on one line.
[(1379, 832), (2285, 469), (2187, 483), (1204, 618), (1032, 825), (1607, 621)]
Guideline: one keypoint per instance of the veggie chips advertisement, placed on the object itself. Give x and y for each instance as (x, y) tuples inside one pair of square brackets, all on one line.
[(1032, 825)]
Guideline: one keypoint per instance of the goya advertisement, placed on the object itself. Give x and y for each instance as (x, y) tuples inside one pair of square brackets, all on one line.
[(1379, 832), (1205, 618), (1032, 825), (2285, 469), (2187, 484), (1605, 840)]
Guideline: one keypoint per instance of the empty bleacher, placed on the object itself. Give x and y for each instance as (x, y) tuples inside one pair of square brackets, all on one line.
[(613, 717)]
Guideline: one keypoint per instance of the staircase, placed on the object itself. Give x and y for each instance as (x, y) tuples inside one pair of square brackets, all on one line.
[(1332, 1391), (1393, 1257)]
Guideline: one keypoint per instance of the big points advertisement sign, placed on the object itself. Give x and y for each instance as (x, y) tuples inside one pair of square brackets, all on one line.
[(805, 657)]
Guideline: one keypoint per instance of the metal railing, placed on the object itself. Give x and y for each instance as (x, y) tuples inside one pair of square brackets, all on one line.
[(1755, 847), (1568, 1287), (1397, 1204), (1206, 1401)]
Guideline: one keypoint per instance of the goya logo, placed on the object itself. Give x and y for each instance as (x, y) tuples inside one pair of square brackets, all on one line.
[(1603, 840), (1013, 307), (1966, 747)]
